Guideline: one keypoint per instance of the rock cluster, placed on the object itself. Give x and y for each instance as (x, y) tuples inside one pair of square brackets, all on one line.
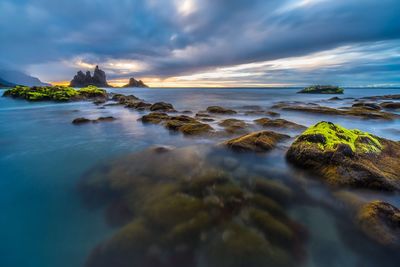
[(82, 80), (135, 83)]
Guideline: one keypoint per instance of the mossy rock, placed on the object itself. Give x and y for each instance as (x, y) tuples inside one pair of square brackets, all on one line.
[(322, 89), (380, 221), (220, 110), (188, 206), (233, 123), (348, 157), (279, 123), (239, 246), (266, 203), (200, 184), (190, 231), (273, 228), (195, 128), (273, 189), (154, 117), (128, 246), (256, 142), (55, 93), (166, 212), (162, 106), (176, 122)]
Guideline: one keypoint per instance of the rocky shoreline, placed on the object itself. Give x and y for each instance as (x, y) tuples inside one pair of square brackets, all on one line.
[(200, 207)]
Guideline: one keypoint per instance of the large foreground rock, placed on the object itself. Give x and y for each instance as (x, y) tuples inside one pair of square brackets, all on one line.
[(348, 157), (258, 141), (182, 207)]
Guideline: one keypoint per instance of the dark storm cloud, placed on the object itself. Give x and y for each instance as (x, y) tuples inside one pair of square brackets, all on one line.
[(180, 37)]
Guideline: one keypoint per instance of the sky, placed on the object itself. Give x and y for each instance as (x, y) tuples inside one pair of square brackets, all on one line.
[(210, 43)]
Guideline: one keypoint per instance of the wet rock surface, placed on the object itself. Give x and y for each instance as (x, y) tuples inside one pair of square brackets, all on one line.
[(256, 142), (182, 123), (345, 157), (380, 221), (279, 123), (220, 110), (356, 111), (85, 120)]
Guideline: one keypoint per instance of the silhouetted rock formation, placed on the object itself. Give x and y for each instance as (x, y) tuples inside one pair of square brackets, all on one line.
[(82, 80), (135, 83)]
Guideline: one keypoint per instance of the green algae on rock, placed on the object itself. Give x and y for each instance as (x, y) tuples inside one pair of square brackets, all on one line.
[(187, 207), (322, 89), (55, 93), (348, 157)]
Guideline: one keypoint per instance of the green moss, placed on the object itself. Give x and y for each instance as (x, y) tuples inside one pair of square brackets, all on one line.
[(92, 91), (54, 93), (190, 231), (243, 246), (274, 229), (334, 135), (166, 212)]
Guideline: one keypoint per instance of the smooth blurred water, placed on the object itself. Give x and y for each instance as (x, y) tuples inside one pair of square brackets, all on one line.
[(42, 156)]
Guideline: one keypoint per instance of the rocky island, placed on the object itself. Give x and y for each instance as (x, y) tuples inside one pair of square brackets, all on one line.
[(322, 89), (83, 80), (135, 83)]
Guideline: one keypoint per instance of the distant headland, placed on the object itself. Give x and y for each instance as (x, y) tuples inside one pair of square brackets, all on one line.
[(99, 79)]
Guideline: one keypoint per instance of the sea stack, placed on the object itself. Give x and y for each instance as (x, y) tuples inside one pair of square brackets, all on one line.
[(83, 80), (135, 83)]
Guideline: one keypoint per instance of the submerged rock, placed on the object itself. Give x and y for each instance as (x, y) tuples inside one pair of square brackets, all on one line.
[(322, 89), (188, 207), (279, 123), (390, 105), (81, 121), (365, 105), (257, 142), (220, 110), (381, 222), (348, 157), (100, 119)]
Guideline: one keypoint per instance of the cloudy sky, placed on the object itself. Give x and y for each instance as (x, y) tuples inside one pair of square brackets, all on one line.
[(206, 42)]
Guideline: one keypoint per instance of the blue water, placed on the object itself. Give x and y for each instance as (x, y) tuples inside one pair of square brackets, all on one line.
[(43, 222)]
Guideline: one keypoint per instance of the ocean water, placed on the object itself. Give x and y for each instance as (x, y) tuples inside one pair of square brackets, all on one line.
[(44, 222)]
